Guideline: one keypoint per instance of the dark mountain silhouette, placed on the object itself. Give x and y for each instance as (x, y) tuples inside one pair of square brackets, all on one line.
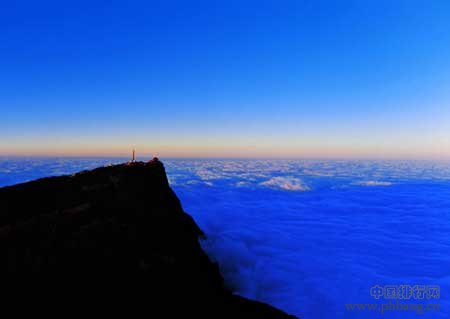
[(114, 240)]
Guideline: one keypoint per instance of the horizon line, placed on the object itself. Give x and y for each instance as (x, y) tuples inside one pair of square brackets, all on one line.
[(218, 157)]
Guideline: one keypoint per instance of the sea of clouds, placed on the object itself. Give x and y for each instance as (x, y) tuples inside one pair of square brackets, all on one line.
[(308, 236)]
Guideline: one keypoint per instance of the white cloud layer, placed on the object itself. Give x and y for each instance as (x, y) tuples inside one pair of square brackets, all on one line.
[(287, 183), (373, 183)]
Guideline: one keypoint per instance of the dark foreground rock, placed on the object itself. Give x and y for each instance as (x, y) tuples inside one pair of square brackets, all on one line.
[(113, 240)]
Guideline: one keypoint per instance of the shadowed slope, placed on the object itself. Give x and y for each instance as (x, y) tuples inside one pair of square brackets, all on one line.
[(119, 235)]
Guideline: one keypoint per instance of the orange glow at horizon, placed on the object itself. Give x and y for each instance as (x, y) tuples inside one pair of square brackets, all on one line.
[(184, 151)]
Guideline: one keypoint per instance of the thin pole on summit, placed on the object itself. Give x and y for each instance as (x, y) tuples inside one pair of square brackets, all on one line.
[(134, 156)]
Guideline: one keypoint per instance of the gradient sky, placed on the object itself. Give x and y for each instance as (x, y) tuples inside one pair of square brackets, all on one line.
[(226, 78)]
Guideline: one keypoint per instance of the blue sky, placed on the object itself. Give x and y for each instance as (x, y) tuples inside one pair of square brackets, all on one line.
[(226, 78)]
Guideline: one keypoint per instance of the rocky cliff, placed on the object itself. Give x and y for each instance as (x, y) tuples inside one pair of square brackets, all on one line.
[(110, 240)]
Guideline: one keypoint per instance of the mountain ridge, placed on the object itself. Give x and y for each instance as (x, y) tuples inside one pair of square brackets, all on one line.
[(120, 235)]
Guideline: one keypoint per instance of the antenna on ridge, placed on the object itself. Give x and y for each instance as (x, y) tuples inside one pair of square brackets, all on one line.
[(134, 156)]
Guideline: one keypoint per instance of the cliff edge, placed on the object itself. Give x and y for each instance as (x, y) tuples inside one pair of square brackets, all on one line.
[(111, 239)]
